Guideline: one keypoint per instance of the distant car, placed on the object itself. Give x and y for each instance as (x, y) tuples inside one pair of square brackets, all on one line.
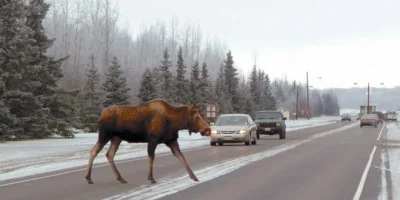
[(270, 122), (369, 120), (391, 116), (346, 117), (233, 128), (380, 116)]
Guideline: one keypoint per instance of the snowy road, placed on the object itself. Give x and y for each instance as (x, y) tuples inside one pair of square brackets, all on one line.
[(334, 161), (20, 159)]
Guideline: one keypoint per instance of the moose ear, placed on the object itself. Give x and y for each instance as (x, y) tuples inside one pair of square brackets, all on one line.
[(195, 106)]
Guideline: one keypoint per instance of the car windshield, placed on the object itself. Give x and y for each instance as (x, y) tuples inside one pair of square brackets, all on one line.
[(231, 120), (269, 115)]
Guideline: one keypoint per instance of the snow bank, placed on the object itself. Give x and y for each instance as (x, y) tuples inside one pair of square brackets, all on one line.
[(23, 158), (391, 162)]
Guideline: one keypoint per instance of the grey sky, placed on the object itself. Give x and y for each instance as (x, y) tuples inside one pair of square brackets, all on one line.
[(334, 39)]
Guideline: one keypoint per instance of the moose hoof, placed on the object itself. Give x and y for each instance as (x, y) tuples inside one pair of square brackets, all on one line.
[(89, 180), (121, 180), (152, 181), (194, 178)]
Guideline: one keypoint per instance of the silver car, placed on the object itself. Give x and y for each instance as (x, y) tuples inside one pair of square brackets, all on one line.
[(233, 128)]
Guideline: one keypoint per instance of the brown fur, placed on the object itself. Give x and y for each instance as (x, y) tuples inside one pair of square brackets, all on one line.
[(153, 122)]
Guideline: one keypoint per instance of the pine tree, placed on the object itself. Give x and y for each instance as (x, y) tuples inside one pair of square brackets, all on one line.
[(18, 75), (166, 83), (231, 81), (115, 86), (205, 87), (147, 89), (222, 98), (7, 120), (181, 89), (268, 98), (46, 72), (195, 84), (92, 105)]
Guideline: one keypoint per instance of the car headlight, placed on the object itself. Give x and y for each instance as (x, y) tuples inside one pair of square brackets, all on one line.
[(242, 131), (278, 124), (214, 132)]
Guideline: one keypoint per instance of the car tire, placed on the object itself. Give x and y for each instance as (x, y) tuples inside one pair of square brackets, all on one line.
[(248, 141), (213, 143), (254, 142), (220, 143), (282, 135), (258, 136)]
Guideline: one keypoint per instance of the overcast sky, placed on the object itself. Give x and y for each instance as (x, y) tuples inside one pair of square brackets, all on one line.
[(342, 41)]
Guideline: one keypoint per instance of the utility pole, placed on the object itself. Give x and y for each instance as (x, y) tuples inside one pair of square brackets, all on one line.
[(308, 100), (297, 100), (368, 100)]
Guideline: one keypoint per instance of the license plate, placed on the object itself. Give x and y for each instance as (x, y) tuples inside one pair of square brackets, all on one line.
[(228, 138), (267, 129)]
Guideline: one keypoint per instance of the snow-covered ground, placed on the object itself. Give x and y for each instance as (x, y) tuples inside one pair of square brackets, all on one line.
[(24, 158), (390, 166)]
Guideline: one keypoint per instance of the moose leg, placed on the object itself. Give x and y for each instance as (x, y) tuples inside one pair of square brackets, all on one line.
[(115, 142), (174, 146), (151, 148), (93, 153)]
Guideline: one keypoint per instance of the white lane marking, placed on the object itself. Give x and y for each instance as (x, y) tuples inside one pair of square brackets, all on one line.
[(383, 127), (383, 195), (101, 165), (357, 195), (173, 185)]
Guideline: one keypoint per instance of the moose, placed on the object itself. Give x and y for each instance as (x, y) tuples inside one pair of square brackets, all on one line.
[(153, 122)]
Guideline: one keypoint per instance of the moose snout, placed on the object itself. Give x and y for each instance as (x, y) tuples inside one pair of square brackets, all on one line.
[(206, 132)]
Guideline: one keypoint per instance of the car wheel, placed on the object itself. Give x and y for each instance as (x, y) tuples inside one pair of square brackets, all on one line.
[(258, 136), (220, 143), (213, 143), (282, 135), (248, 140), (254, 142)]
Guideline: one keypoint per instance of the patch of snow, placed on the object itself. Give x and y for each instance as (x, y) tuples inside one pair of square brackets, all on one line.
[(393, 133)]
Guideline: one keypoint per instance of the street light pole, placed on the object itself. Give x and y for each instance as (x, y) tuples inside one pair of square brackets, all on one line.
[(368, 100), (308, 100), (297, 100)]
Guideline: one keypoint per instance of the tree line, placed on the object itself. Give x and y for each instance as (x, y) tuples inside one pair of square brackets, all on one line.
[(40, 95)]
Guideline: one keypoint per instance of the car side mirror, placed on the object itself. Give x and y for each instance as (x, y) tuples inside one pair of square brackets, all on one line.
[(211, 123), (284, 118)]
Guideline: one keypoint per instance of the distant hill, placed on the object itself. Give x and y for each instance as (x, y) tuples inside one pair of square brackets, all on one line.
[(383, 98)]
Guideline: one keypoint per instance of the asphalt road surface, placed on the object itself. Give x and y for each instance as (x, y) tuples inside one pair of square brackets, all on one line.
[(326, 162)]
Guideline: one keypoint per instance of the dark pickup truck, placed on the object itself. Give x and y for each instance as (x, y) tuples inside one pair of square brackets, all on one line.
[(270, 122)]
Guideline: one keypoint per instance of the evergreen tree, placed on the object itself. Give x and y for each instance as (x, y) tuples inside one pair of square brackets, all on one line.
[(268, 98), (222, 98), (115, 86), (231, 81), (195, 84), (181, 89), (7, 120), (147, 89), (46, 71), (92, 105), (166, 83), (205, 86), (18, 75), (317, 104)]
